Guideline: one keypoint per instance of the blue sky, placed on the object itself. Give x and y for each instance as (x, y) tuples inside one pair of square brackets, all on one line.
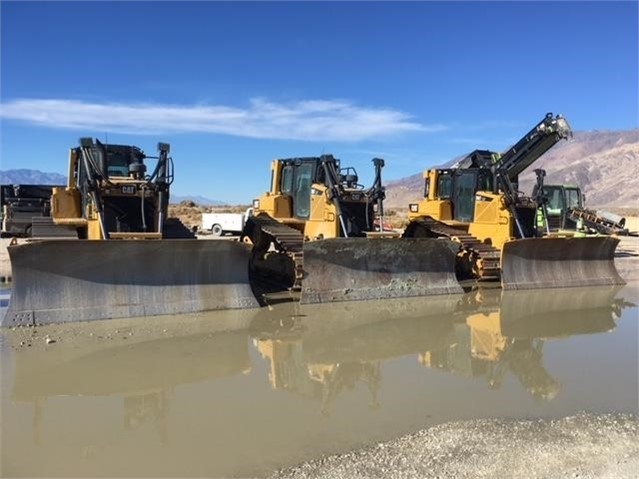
[(233, 85)]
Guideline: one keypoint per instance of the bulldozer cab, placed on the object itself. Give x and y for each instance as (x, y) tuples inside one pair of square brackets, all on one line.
[(319, 198), (110, 193), (120, 158), (297, 178), (453, 193), (466, 183)]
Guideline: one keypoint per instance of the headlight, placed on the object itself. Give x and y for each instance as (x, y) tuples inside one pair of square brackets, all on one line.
[(414, 207), (256, 204)]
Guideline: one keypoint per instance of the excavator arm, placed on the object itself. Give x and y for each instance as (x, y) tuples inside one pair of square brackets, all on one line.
[(534, 144)]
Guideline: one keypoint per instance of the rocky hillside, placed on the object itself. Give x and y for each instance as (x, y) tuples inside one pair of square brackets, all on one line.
[(605, 164)]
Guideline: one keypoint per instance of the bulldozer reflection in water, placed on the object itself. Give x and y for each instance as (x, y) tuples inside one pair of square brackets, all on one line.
[(322, 352), (492, 343), (480, 349), (507, 335), (142, 372), (324, 381)]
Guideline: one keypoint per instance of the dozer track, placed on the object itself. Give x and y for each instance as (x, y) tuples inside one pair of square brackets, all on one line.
[(264, 230), (484, 258)]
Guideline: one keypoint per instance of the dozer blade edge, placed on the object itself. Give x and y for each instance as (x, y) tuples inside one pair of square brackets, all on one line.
[(352, 269), (559, 263), (60, 280)]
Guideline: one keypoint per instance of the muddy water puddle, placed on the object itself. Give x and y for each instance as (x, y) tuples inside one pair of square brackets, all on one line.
[(244, 393)]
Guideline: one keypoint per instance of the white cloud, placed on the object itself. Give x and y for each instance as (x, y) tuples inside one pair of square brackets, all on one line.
[(310, 120)]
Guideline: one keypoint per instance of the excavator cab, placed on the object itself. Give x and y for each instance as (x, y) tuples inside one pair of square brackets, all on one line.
[(557, 200), (562, 210)]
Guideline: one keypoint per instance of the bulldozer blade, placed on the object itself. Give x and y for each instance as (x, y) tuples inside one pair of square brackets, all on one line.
[(352, 269), (58, 281), (559, 263)]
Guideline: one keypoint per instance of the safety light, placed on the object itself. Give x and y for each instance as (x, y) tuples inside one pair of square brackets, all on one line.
[(256, 204), (414, 207)]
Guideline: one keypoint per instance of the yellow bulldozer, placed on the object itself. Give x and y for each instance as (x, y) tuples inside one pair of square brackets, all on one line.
[(109, 250), (318, 230), (476, 203)]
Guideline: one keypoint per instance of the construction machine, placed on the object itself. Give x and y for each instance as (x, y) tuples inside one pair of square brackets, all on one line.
[(561, 208), (19, 204), (110, 195), (109, 249), (476, 203), (315, 231), (554, 203)]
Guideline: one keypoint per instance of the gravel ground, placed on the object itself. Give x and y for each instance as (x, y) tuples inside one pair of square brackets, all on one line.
[(583, 446)]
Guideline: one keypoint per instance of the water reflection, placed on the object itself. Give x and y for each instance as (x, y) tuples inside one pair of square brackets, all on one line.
[(487, 333), (331, 348), (352, 372), (508, 333)]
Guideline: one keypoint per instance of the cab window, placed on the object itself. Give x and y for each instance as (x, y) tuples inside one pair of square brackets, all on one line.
[(445, 186), (287, 180), (302, 194), (573, 198), (485, 181)]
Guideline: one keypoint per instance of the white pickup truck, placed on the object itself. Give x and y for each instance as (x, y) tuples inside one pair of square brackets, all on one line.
[(221, 223)]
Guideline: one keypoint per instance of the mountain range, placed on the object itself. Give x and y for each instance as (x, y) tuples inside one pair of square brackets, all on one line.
[(31, 177), (36, 177), (604, 164)]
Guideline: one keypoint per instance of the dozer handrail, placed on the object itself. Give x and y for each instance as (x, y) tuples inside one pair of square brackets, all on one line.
[(333, 189)]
